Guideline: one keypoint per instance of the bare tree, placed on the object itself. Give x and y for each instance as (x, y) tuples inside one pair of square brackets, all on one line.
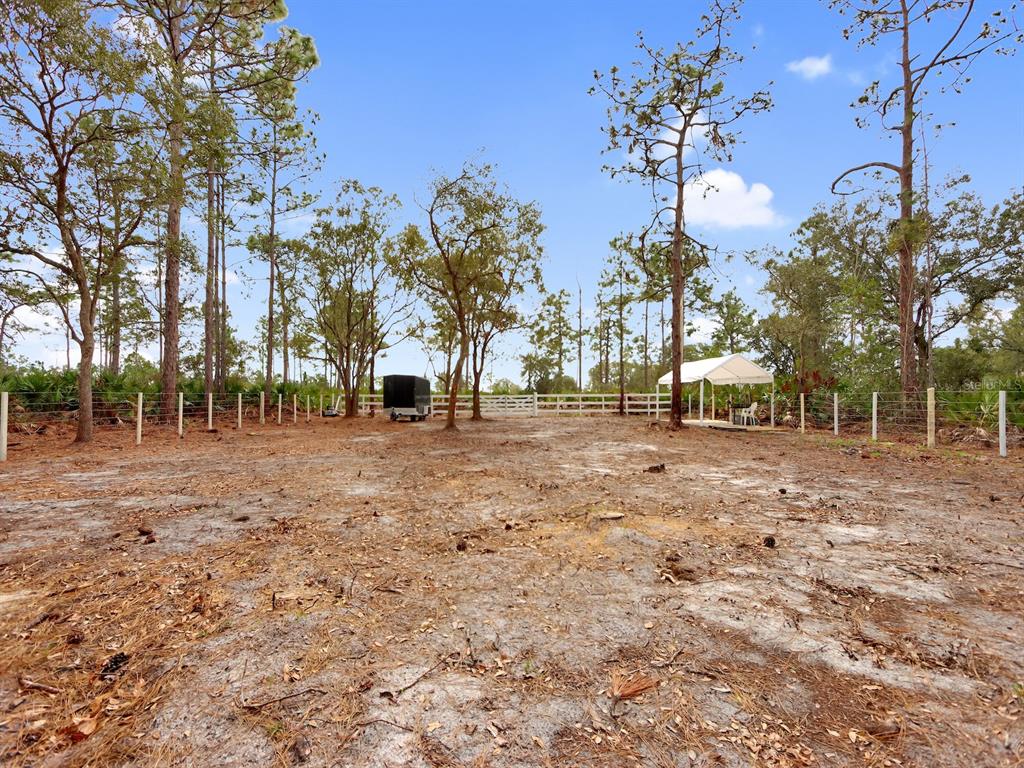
[(670, 116)]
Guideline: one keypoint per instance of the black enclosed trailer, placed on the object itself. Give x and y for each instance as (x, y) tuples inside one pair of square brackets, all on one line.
[(406, 396)]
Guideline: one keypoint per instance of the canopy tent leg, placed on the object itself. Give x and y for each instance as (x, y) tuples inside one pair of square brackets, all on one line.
[(702, 401), (773, 405), (657, 402), (712, 401)]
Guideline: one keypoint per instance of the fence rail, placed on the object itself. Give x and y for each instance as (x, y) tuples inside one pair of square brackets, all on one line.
[(984, 417)]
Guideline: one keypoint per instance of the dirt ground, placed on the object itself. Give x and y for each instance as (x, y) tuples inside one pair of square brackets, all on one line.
[(526, 592)]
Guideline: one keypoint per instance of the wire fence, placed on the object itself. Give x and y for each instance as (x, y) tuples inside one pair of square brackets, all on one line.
[(31, 413), (963, 417)]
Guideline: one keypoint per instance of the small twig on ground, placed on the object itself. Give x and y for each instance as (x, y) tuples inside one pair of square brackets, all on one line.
[(32, 685), (393, 695), (670, 662), (385, 721), (45, 617), (912, 572), (268, 702)]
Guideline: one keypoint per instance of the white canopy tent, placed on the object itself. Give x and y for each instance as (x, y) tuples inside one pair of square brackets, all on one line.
[(729, 369)]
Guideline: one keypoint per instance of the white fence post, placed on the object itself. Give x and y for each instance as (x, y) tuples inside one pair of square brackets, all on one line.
[(280, 405), (263, 409), (321, 405), (209, 411), (181, 414), (1002, 423), (931, 417), (295, 408), (874, 416), (4, 403), (138, 420), (689, 405), (772, 407), (534, 403), (802, 423), (239, 410), (835, 413), (307, 409)]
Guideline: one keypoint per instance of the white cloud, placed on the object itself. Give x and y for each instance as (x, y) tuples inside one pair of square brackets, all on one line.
[(702, 328), (811, 67), (721, 198), (32, 319)]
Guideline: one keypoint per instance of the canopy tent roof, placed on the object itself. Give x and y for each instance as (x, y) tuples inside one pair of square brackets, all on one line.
[(730, 369)]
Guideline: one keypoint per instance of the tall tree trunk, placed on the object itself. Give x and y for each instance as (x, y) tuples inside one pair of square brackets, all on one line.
[(3, 333), (209, 321), (579, 343), (285, 373), (351, 400), (114, 337), (87, 346), (478, 374), (622, 346), (676, 414), (456, 383), (160, 255), (272, 258), (661, 329), (371, 387), (647, 352), (908, 368), (175, 148), (222, 336)]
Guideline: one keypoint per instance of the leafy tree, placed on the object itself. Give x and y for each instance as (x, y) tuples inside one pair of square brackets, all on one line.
[(494, 298), (472, 226), (899, 108), (671, 115), (285, 158), (439, 337), (974, 253), (56, 112), (15, 292), (618, 280), (735, 323), (357, 286), (552, 337), (802, 332)]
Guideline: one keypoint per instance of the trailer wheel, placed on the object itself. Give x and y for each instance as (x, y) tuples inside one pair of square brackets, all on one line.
[(394, 416)]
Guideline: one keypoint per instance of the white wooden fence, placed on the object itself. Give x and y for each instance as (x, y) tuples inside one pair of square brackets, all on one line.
[(585, 403)]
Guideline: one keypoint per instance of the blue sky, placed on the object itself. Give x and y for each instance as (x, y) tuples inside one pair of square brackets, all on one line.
[(407, 87)]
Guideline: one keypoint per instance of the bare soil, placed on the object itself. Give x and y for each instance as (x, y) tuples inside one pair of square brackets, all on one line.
[(525, 592)]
